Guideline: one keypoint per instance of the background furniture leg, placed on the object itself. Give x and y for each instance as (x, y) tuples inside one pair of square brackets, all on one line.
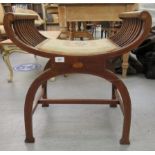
[(7, 49), (5, 55), (125, 64)]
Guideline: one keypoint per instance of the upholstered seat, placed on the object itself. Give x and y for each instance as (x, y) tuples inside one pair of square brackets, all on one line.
[(77, 48)]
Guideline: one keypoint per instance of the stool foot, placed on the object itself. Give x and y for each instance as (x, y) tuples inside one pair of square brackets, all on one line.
[(29, 140), (113, 105), (45, 105), (65, 75), (124, 141), (9, 80)]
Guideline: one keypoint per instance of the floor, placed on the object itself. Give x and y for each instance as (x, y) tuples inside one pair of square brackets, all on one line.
[(73, 127)]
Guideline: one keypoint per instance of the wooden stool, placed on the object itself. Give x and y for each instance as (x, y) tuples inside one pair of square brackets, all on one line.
[(87, 57)]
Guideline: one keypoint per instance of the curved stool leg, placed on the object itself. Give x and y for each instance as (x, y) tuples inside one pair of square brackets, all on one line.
[(44, 85), (125, 101), (46, 75), (113, 96), (109, 76)]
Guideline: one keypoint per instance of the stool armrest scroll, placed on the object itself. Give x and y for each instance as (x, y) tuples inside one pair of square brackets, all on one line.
[(20, 16), (135, 14), (17, 25)]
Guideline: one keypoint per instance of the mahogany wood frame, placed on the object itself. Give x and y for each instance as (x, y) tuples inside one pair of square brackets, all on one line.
[(21, 30)]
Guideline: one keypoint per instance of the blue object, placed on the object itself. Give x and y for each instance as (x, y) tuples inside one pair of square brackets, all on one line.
[(27, 67)]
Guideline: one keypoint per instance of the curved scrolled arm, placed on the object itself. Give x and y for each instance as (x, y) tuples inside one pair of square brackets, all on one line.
[(21, 29), (135, 28)]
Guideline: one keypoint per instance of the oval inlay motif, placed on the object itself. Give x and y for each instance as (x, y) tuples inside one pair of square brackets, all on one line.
[(77, 65)]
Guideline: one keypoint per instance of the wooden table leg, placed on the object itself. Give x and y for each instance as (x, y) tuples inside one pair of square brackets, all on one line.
[(125, 64), (5, 55), (7, 50), (62, 23)]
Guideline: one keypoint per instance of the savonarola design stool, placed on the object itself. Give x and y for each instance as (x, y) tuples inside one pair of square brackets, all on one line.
[(88, 57)]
